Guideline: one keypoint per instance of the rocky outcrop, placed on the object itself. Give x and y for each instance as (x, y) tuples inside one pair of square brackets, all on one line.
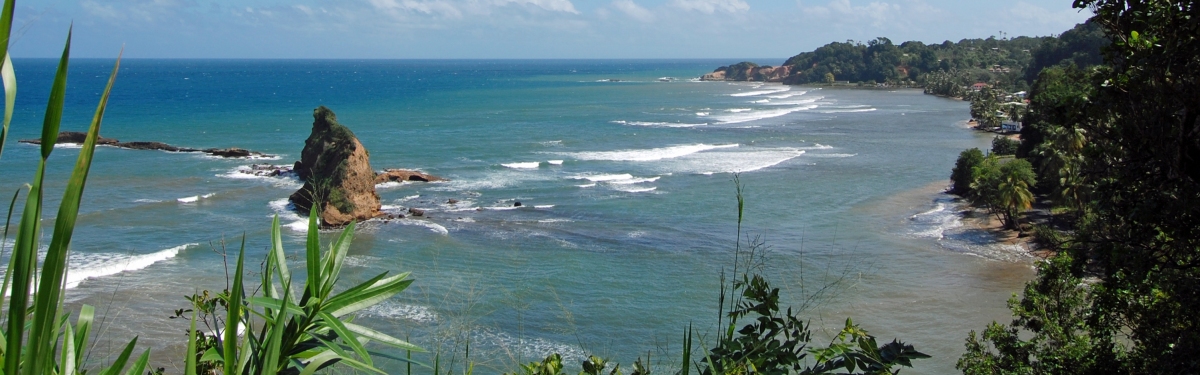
[(337, 174), (80, 137), (748, 71), (400, 175)]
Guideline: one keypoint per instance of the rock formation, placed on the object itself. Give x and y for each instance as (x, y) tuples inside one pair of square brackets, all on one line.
[(748, 71), (405, 175), (78, 138), (337, 174)]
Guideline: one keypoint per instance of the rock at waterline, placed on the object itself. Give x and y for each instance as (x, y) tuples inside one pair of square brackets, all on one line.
[(337, 174), (70, 137)]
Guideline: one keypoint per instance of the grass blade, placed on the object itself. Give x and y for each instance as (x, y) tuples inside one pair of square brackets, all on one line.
[(139, 367), (190, 355), (10, 97), (234, 309), (119, 364), (312, 257), (83, 329), (54, 269), (6, 18), (54, 106)]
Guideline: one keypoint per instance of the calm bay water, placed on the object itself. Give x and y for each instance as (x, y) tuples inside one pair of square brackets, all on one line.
[(629, 210)]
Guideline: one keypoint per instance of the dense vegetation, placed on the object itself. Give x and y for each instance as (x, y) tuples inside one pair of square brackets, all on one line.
[(949, 68), (1117, 149)]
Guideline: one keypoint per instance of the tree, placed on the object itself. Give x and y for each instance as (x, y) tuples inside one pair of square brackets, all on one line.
[(1016, 178), (961, 176), (1138, 237), (829, 78), (1004, 145)]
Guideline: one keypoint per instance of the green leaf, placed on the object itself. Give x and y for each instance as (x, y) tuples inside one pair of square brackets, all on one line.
[(313, 256), (381, 291), (139, 367), (381, 337), (54, 106), (10, 97), (190, 354), (234, 317), (54, 269), (119, 364)]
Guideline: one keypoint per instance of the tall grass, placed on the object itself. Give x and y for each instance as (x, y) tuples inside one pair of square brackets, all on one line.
[(37, 336)]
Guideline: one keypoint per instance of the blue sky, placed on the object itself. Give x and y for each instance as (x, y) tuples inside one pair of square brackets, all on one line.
[(512, 28)]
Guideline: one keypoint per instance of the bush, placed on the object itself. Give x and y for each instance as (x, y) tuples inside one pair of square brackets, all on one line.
[(1005, 145), (962, 175)]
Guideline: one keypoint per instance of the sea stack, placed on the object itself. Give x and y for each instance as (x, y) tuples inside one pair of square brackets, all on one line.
[(337, 174)]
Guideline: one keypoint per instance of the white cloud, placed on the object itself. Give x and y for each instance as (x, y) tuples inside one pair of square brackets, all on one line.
[(1029, 14), (633, 10), (878, 14), (712, 6), (435, 7), (551, 5)]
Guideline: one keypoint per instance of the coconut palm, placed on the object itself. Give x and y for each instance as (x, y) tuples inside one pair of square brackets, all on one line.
[(1016, 178)]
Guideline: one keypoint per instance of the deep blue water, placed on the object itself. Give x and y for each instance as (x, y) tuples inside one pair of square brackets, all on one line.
[(629, 210)]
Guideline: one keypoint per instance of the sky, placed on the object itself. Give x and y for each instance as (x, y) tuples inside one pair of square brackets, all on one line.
[(511, 29)]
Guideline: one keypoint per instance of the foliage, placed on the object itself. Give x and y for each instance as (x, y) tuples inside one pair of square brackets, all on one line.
[(1078, 47), (37, 337), (1123, 143), (964, 168), (1004, 145), (1003, 187), (293, 331), (985, 105), (1054, 310)]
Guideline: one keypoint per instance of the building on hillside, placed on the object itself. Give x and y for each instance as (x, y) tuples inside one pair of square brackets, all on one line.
[(1008, 126), (978, 86)]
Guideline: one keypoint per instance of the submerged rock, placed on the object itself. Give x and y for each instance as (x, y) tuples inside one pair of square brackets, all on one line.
[(69, 137), (337, 174), (405, 175)]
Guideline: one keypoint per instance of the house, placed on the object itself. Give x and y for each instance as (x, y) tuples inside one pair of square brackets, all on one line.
[(978, 86), (1010, 126), (1020, 94)]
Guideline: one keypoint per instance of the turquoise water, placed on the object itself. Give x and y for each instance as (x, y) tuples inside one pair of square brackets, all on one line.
[(629, 210)]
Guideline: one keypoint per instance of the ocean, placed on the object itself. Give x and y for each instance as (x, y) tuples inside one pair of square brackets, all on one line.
[(625, 170)]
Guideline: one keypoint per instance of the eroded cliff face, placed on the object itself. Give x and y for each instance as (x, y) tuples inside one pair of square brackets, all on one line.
[(748, 71), (337, 174)]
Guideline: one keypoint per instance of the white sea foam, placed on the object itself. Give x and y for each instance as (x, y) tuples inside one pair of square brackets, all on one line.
[(788, 95), (849, 110), (434, 227), (936, 221), (85, 266), (658, 124), (547, 221), (796, 101), (287, 215), (731, 161), (527, 347), (408, 198), (395, 310), (737, 110), (629, 189), (761, 101), (528, 165), (759, 114), (648, 154), (587, 185), (147, 200), (195, 198), (761, 92), (604, 177), (817, 146), (832, 155), (543, 206), (240, 173), (701, 114), (554, 162), (389, 185), (631, 181), (68, 145)]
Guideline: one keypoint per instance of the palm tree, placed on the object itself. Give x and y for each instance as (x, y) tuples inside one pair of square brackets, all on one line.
[(1016, 179)]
